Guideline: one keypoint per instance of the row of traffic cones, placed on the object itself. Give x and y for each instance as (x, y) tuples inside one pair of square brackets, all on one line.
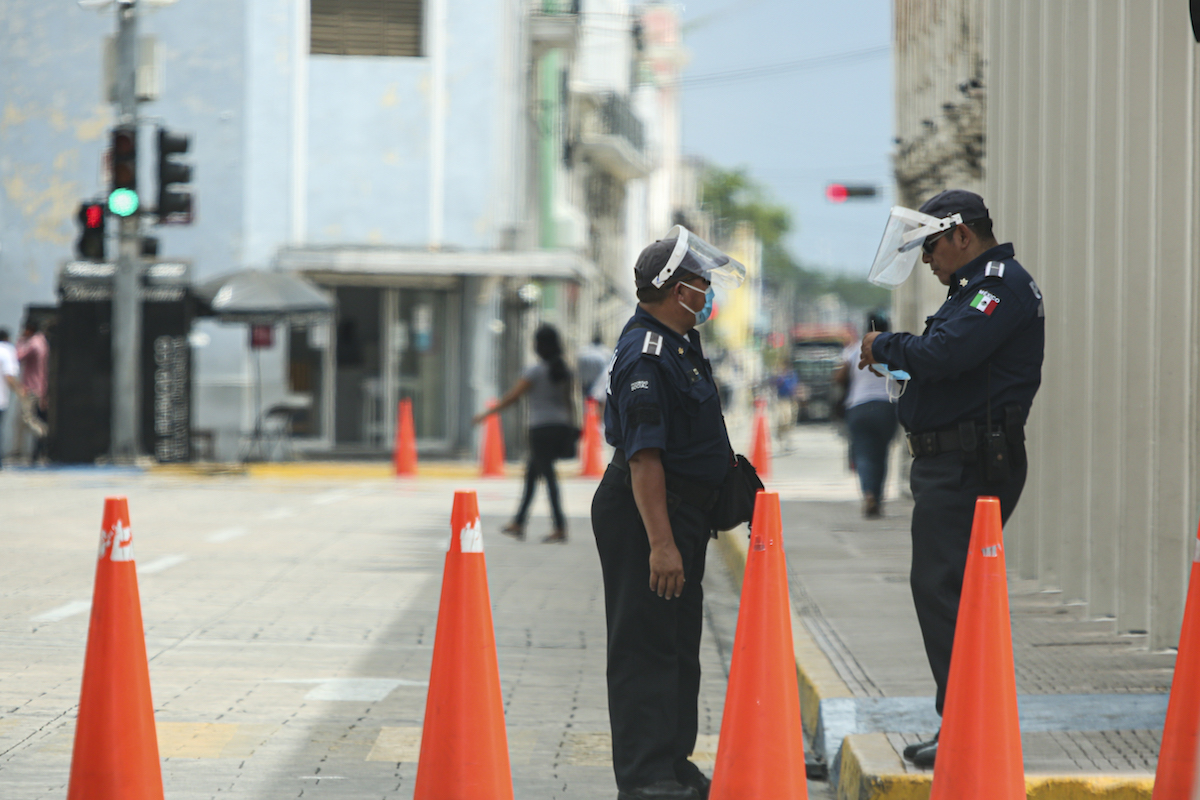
[(491, 451), (464, 749)]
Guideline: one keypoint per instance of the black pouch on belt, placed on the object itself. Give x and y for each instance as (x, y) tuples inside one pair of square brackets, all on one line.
[(735, 503)]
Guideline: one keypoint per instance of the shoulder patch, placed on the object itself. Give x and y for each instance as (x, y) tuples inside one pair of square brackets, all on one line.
[(985, 302), (653, 343), (1038, 294), (994, 269)]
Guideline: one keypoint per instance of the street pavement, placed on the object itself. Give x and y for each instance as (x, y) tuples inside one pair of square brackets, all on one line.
[(289, 625)]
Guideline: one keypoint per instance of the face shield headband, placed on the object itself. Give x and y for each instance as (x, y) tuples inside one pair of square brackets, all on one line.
[(697, 256), (900, 247)]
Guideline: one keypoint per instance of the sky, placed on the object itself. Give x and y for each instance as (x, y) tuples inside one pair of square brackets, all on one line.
[(797, 127)]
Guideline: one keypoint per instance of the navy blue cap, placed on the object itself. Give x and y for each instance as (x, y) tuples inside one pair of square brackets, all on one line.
[(956, 201)]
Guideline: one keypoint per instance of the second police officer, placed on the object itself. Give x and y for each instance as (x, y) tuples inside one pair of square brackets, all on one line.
[(651, 515), (972, 376)]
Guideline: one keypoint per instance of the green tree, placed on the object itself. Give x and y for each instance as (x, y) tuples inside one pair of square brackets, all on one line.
[(732, 196)]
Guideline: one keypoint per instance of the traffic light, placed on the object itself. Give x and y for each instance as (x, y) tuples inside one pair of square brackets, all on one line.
[(122, 194), (841, 192), (90, 246), (174, 204)]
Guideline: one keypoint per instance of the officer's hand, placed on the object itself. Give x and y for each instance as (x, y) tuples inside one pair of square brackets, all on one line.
[(866, 357), (666, 571)]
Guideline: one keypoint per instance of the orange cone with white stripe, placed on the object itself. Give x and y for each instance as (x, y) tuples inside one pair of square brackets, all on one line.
[(760, 753), (116, 749), (1177, 756), (464, 747), (979, 748)]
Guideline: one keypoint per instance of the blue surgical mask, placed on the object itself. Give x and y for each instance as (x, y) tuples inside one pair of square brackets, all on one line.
[(894, 374), (703, 314)]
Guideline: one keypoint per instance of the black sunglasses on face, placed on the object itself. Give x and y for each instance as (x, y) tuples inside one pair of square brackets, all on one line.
[(931, 242)]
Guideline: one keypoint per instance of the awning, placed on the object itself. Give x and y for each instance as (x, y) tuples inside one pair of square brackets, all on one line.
[(259, 297), (546, 264)]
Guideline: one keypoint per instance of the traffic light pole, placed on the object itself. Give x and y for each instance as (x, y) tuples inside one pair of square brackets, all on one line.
[(126, 305)]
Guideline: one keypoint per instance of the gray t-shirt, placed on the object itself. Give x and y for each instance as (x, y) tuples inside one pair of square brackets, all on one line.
[(549, 402)]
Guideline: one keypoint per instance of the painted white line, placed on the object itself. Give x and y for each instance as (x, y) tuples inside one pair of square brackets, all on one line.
[(279, 513), (158, 565), (321, 778), (358, 689), (226, 535), (62, 612), (330, 497)]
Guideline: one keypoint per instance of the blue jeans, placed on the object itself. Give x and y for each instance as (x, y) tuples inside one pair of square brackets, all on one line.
[(872, 426)]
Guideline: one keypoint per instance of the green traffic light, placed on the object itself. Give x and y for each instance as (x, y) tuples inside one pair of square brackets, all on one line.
[(123, 202)]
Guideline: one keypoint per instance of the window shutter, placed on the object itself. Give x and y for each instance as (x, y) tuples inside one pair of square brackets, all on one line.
[(367, 27)]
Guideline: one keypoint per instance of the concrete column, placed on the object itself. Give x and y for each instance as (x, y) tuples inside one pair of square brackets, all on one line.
[(1138, 280), (1172, 533), (1103, 339)]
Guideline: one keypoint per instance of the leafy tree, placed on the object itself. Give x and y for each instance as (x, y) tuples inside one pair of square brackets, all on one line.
[(732, 196)]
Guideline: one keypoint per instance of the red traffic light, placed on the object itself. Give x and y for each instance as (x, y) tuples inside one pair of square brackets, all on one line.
[(93, 215), (841, 192)]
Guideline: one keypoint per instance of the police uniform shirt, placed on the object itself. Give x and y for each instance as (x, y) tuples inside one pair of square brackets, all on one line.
[(993, 318), (661, 394)]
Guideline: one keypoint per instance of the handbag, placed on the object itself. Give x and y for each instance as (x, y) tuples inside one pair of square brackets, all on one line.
[(735, 501)]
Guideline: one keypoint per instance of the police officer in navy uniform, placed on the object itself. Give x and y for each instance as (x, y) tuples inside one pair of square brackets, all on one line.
[(974, 373), (651, 516)]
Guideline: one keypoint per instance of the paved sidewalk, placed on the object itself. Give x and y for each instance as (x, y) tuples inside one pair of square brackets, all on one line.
[(1092, 700)]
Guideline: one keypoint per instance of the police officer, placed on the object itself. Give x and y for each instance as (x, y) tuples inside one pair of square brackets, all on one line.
[(974, 373), (650, 516)]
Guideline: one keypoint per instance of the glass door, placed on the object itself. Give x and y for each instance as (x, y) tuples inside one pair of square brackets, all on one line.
[(421, 361)]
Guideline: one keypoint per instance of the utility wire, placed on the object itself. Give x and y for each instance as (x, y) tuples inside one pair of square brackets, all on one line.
[(771, 70)]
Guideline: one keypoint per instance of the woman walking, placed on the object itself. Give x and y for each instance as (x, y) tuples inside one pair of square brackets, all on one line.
[(870, 422), (552, 429)]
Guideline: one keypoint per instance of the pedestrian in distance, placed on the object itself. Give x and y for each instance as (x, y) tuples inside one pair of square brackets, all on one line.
[(870, 422), (592, 363), (552, 429), (33, 353), (972, 377), (651, 515), (10, 369)]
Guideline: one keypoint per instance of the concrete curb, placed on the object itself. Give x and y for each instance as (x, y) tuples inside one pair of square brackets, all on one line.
[(337, 470), (869, 768)]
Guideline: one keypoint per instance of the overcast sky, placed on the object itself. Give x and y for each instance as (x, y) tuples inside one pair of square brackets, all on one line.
[(797, 127)]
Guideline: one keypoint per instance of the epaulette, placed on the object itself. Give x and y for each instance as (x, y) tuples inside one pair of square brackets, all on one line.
[(652, 344), (994, 269)]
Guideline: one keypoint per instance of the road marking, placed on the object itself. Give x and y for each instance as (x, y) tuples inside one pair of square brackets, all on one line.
[(226, 535), (320, 778), (358, 689), (158, 565), (62, 612), (279, 513)]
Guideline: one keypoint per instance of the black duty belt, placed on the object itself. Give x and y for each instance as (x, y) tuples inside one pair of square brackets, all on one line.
[(966, 438), (702, 497)]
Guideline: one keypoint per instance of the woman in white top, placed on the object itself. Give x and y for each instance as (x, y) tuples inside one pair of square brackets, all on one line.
[(870, 421), (552, 430)]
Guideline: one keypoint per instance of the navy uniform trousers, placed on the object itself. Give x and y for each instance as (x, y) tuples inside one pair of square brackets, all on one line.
[(653, 643), (944, 492)]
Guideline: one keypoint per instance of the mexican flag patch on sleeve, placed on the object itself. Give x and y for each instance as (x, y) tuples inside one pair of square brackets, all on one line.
[(985, 302)]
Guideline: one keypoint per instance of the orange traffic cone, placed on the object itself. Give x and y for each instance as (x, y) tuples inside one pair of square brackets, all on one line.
[(760, 452), (405, 456), (464, 748), (1177, 761), (591, 454), (116, 749), (979, 749), (760, 753), (491, 454)]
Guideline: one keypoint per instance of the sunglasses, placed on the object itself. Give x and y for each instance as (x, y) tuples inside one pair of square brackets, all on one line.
[(931, 243)]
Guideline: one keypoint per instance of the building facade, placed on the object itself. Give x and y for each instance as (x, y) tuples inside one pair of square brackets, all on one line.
[(1090, 169)]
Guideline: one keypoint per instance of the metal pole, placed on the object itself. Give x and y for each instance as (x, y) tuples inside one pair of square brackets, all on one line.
[(126, 305)]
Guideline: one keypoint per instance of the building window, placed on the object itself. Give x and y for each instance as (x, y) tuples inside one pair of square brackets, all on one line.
[(367, 27)]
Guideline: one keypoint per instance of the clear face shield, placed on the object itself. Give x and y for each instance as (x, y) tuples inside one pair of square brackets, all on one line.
[(900, 247), (699, 257)]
